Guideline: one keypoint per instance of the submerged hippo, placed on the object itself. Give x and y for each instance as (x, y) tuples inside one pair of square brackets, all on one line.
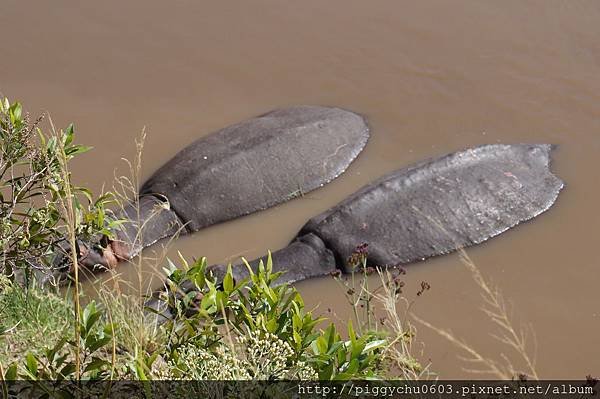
[(428, 209), (241, 169)]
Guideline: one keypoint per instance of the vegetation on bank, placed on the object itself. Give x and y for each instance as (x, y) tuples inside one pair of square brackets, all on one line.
[(261, 331), (39, 204), (251, 329)]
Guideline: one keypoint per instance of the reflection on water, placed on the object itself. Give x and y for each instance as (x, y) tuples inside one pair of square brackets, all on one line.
[(431, 77)]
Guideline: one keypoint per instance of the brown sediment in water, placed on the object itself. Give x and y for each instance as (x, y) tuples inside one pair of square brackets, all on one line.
[(431, 77)]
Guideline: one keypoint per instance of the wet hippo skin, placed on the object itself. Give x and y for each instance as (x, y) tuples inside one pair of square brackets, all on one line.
[(430, 209), (241, 169)]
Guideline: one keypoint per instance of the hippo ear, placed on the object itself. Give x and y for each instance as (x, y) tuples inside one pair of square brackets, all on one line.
[(438, 206)]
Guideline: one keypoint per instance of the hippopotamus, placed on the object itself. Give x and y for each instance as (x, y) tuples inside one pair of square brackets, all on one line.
[(238, 170), (432, 208), (428, 209)]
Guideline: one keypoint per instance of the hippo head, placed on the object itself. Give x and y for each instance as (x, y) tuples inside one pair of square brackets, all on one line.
[(95, 255)]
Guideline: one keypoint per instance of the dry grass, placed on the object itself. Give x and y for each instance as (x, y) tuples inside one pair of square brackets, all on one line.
[(509, 333), (386, 310), (401, 349), (512, 335), (138, 330)]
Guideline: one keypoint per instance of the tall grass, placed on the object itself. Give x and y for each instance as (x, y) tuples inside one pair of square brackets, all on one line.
[(517, 337), (509, 333), (139, 330), (30, 319), (396, 309)]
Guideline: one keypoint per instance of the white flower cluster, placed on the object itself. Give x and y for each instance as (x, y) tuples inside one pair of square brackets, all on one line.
[(269, 357), (256, 356), (199, 364)]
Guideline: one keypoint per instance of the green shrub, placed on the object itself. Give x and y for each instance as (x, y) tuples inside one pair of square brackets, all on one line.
[(57, 362), (34, 187), (231, 320), (47, 371)]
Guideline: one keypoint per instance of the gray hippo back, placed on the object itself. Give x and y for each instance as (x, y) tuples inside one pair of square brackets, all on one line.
[(437, 206), (259, 163)]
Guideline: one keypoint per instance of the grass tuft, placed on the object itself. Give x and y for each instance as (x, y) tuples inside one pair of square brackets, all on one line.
[(31, 319)]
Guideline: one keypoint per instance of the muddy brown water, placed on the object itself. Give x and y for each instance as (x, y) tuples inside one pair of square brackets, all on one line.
[(431, 77)]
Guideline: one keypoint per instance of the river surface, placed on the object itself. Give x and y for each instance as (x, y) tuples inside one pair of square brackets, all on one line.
[(431, 77)]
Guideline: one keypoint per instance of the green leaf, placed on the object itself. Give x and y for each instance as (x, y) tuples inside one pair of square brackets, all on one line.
[(188, 298), (197, 273), (16, 111), (95, 364), (87, 311), (334, 348), (91, 320), (176, 275), (357, 348), (351, 333), (228, 280), (77, 149), (110, 328), (209, 300), (89, 317), (341, 353), (51, 353), (139, 369), (326, 372), (85, 191), (51, 145), (67, 370), (69, 135), (31, 364), (269, 264), (271, 325), (320, 345), (297, 340), (11, 372), (261, 268), (99, 343), (221, 299), (151, 359)]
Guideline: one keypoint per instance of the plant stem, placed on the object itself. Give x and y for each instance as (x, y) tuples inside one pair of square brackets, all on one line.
[(67, 204), (367, 293), (4, 387)]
